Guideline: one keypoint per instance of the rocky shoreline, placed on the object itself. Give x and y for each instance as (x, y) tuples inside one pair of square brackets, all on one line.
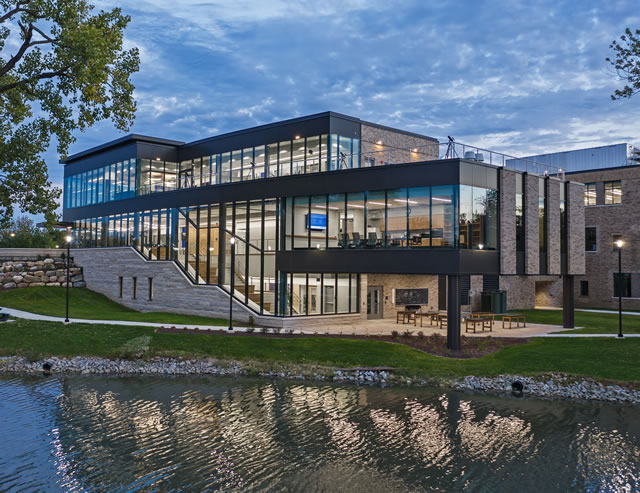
[(553, 386)]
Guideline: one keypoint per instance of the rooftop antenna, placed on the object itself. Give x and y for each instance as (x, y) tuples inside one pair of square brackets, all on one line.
[(451, 149)]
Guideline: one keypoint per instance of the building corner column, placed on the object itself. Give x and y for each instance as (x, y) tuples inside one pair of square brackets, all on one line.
[(568, 302), (453, 312)]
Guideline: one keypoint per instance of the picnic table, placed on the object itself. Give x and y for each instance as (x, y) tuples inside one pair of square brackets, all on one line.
[(518, 317), (471, 323)]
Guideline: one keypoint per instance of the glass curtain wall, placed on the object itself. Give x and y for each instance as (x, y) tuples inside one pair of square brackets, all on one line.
[(418, 217), (144, 176), (113, 182)]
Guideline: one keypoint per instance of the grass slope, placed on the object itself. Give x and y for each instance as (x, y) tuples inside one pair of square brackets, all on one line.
[(609, 359), (592, 323), (87, 304)]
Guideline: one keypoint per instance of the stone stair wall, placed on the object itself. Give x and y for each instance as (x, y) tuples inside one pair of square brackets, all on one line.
[(48, 271)]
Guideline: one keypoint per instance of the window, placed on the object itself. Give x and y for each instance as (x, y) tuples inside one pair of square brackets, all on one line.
[(590, 239), (584, 288), (121, 283), (613, 192), (590, 194), (623, 282), (134, 291)]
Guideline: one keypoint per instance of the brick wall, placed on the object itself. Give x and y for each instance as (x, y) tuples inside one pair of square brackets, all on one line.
[(611, 220)]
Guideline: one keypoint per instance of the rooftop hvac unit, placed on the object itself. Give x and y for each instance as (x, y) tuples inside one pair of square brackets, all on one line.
[(479, 157), (470, 155)]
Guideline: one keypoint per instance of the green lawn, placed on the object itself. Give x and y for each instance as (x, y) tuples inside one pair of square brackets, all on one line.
[(593, 323), (87, 304), (609, 359)]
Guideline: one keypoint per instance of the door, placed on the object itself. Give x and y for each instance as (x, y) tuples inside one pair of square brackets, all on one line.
[(374, 302)]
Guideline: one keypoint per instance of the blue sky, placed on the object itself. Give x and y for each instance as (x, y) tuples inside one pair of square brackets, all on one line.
[(521, 77)]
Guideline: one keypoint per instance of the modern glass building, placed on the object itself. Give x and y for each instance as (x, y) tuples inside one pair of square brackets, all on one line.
[(290, 218)]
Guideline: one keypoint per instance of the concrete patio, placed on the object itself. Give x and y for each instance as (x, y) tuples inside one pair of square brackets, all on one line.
[(387, 326)]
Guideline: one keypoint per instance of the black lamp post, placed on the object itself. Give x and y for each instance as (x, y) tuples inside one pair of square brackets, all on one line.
[(68, 240), (619, 244), (231, 283)]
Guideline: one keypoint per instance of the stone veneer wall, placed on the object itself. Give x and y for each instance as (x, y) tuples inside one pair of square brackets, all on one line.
[(389, 282), (396, 145), (50, 271), (527, 292), (575, 228), (508, 221), (532, 225), (553, 226), (172, 290)]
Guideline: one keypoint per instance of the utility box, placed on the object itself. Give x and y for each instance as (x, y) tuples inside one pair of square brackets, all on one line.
[(494, 301)]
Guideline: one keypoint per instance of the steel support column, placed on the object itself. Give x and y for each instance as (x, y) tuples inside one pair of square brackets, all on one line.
[(568, 302), (453, 312)]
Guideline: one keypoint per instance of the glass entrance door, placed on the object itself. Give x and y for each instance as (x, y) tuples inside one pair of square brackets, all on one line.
[(374, 302)]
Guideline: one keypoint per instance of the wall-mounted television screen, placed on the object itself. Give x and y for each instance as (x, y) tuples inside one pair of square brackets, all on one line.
[(316, 221)]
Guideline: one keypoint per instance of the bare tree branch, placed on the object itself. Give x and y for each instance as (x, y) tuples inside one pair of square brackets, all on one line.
[(17, 10)]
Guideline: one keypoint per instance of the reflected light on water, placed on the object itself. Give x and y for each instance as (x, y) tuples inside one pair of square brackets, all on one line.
[(214, 434)]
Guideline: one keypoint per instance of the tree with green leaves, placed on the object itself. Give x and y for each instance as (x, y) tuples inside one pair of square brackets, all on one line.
[(24, 233), (626, 63), (62, 69)]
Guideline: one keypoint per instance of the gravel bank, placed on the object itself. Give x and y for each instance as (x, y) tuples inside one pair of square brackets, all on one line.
[(553, 386)]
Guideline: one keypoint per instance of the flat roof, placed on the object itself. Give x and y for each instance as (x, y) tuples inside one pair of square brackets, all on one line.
[(175, 143), (119, 142)]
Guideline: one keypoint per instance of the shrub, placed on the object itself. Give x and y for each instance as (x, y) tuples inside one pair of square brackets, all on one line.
[(252, 321), (276, 330), (407, 333), (290, 331), (263, 330), (250, 330), (394, 334), (421, 335)]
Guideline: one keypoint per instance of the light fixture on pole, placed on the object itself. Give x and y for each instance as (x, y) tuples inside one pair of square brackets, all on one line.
[(68, 239), (231, 282), (619, 244)]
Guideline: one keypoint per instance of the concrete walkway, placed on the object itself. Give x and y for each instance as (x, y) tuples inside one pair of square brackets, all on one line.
[(371, 327), (45, 318), (588, 310)]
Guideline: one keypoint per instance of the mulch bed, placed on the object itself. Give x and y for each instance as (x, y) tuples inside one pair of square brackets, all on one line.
[(436, 344)]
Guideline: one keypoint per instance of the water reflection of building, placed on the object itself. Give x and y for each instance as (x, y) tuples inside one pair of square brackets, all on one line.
[(112, 433)]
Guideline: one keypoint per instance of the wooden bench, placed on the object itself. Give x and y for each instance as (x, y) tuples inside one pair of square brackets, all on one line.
[(472, 323), (442, 320), (518, 317), (432, 316), (490, 315)]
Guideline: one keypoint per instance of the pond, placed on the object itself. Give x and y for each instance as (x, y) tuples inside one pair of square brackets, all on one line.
[(88, 433)]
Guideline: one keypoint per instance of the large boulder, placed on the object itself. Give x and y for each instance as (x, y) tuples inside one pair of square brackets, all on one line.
[(17, 279), (48, 261), (80, 284), (23, 285), (77, 278), (34, 284), (16, 267), (53, 284), (38, 273), (31, 278), (9, 285)]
